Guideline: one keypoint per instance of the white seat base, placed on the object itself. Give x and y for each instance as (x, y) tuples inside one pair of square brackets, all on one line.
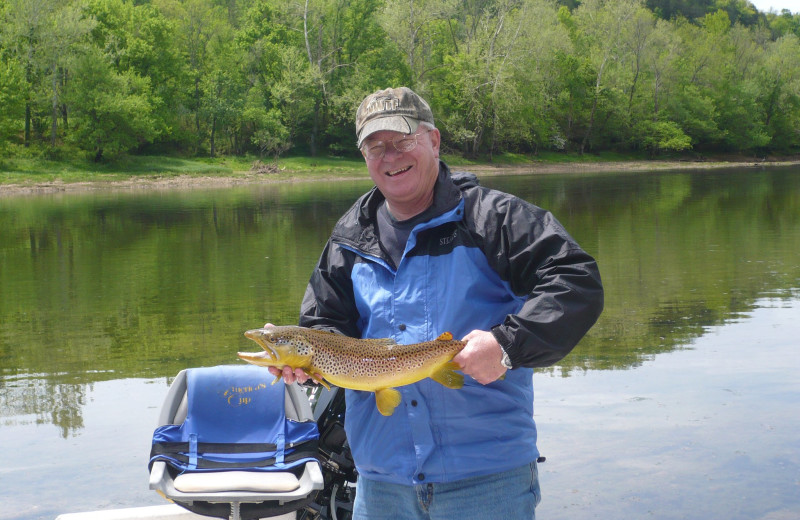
[(253, 481)]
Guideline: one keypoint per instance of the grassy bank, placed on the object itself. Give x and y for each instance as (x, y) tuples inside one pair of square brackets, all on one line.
[(29, 173), (42, 171)]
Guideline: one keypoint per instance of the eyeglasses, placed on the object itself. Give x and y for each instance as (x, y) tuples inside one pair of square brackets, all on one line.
[(374, 150)]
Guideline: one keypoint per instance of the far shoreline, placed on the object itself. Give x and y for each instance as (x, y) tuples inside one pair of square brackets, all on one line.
[(240, 178)]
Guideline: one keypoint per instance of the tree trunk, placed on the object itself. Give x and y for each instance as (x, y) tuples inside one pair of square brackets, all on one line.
[(315, 130), (64, 111), (54, 115), (588, 133), (597, 89), (27, 124), (197, 112), (213, 134)]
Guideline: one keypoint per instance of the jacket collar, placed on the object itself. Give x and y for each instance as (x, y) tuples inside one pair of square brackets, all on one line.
[(357, 227)]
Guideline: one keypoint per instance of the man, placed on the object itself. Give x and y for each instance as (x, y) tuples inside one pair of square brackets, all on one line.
[(428, 251)]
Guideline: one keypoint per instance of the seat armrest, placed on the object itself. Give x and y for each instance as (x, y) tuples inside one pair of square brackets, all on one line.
[(312, 476), (157, 474)]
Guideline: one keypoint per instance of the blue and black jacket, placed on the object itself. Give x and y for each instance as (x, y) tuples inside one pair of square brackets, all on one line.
[(487, 260)]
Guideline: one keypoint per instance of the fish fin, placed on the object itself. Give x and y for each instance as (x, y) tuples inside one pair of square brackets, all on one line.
[(317, 377), (387, 400), (277, 378), (445, 336), (448, 376)]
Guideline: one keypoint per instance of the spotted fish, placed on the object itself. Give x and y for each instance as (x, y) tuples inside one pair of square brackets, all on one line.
[(374, 365)]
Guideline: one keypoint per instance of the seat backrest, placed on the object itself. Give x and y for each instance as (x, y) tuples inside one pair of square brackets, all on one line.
[(235, 419)]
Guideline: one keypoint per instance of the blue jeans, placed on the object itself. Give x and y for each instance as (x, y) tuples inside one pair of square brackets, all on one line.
[(510, 495)]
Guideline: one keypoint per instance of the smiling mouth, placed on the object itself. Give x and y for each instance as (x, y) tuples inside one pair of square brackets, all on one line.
[(397, 172)]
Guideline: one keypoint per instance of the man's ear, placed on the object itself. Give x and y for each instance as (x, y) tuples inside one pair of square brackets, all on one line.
[(436, 139)]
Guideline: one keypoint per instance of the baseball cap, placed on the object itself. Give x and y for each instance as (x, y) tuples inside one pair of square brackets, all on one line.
[(397, 109)]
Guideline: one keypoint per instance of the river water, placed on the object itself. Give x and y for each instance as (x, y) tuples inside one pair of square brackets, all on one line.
[(682, 402)]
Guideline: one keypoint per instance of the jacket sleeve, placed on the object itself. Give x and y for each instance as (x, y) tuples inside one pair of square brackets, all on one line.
[(328, 302), (561, 282)]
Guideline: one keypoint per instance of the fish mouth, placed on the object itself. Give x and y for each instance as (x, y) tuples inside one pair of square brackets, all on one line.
[(257, 335), (397, 172), (257, 358)]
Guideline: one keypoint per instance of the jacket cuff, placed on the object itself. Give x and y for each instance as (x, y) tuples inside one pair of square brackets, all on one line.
[(500, 333)]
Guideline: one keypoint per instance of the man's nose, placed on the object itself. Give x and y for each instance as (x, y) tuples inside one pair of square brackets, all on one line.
[(390, 152)]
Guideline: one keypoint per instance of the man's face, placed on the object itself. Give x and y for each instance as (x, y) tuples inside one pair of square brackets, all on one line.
[(406, 179)]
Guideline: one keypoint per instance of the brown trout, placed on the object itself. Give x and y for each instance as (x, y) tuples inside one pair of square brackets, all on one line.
[(374, 365)]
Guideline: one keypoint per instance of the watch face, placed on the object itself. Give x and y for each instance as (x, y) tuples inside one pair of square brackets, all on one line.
[(506, 361)]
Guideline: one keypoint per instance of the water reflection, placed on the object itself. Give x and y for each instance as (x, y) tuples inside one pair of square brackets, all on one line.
[(105, 297), (43, 399), (678, 252), (99, 287)]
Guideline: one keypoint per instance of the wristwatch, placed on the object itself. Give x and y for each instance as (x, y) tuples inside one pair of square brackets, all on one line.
[(505, 361)]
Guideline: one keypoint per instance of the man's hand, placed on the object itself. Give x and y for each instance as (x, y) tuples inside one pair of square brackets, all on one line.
[(481, 357), (286, 372), (289, 376)]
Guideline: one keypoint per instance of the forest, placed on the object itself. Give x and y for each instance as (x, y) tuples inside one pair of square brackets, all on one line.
[(104, 78)]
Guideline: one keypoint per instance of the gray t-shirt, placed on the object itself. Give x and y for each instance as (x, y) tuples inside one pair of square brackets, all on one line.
[(393, 234)]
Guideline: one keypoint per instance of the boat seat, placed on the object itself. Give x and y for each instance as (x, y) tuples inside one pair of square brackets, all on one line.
[(230, 401)]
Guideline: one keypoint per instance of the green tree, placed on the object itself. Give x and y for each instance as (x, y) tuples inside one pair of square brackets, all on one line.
[(783, 23), (139, 39), (703, 69), (661, 136), (696, 113), (265, 76), (24, 25), (421, 30), (295, 93), (13, 95), (479, 98), (112, 110), (574, 82), (64, 39), (662, 57), (602, 27), (271, 136), (265, 38), (365, 59), (531, 120), (202, 36), (338, 35), (738, 11), (779, 98), (222, 99)]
